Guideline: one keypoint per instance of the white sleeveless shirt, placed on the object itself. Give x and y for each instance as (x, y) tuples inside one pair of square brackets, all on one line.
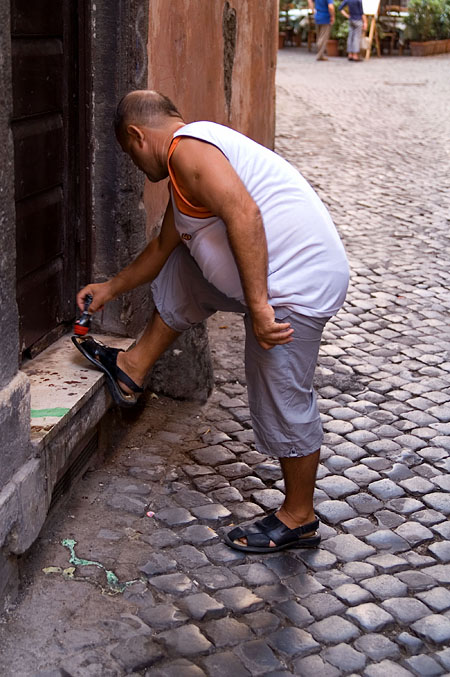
[(307, 267)]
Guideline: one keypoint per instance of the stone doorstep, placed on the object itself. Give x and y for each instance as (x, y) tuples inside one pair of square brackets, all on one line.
[(61, 381)]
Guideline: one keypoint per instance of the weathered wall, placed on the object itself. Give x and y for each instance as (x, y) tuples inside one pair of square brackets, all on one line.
[(14, 389), (216, 60)]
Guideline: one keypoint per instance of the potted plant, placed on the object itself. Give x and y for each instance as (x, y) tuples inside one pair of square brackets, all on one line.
[(428, 26)]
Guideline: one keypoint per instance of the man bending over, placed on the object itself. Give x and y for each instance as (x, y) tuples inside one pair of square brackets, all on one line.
[(243, 232)]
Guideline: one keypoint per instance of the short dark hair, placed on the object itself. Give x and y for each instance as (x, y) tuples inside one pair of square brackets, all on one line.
[(142, 106)]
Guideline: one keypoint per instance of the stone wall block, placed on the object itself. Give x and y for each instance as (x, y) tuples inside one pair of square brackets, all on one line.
[(14, 426), (9, 510), (30, 483), (185, 370)]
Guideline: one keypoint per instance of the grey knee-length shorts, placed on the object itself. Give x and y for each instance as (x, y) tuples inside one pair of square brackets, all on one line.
[(283, 407)]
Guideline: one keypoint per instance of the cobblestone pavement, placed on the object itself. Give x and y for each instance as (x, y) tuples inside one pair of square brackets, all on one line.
[(373, 600)]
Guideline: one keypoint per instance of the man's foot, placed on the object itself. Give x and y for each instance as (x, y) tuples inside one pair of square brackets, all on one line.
[(271, 535), (126, 365), (322, 58), (105, 358)]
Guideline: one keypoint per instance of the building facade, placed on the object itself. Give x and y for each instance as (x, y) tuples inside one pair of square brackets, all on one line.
[(74, 209)]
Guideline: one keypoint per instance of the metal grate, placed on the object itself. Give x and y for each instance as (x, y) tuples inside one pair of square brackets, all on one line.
[(75, 469)]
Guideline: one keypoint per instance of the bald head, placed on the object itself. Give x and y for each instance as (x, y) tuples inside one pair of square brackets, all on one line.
[(143, 108)]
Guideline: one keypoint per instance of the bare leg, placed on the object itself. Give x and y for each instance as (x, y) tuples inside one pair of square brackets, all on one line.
[(136, 362), (299, 479)]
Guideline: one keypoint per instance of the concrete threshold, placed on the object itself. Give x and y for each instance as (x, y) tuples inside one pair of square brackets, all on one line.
[(61, 382)]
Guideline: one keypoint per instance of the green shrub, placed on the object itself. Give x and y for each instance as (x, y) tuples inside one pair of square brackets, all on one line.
[(428, 20)]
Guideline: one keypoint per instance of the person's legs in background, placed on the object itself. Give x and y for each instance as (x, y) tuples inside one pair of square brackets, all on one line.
[(323, 35)]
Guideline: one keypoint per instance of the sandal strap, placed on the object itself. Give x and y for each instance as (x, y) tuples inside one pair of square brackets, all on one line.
[(108, 357), (270, 528)]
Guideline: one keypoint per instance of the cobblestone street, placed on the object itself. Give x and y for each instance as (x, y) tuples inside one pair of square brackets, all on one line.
[(374, 600)]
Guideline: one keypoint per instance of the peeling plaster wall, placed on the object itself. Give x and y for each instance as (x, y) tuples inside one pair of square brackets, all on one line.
[(217, 61)]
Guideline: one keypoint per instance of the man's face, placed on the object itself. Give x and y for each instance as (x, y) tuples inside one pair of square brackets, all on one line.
[(142, 149)]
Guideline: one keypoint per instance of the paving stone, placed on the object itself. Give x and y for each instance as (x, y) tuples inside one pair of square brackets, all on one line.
[(389, 519), (350, 450), (428, 517), (273, 593), (438, 599), (234, 470), (256, 574), (201, 606), (313, 666), (333, 630), (377, 647), (443, 529), (175, 584), (414, 533), (293, 642), (268, 471), (317, 559), (385, 586), (248, 484), (223, 554), (227, 495), (418, 561), (405, 609), (137, 653), (262, 622), (247, 511), (164, 538), (361, 474), (416, 580), (359, 570), (210, 483), (225, 664), (322, 605), (189, 498), (338, 463), (385, 489), (213, 513), (303, 585), (216, 578), (337, 487), (359, 526), (348, 548), (199, 534), (269, 499), (385, 539), (440, 572), (177, 668), (388, 563), (386, 668), (441, 550), (332, 579), (284, 565), (345, 657), (186, 640), (352, 594), (295, 612), (335, 511), (227, 632), (364, 503), (438, 501), (444, 657), (405, 506), (424, 666), (213, 456), (174, 517), (417, 485), (411, 643), (434, 628), (370, 617), (239, 600), (158, 564), (162, 616), (189, 557), (131, 504), (258, 657)]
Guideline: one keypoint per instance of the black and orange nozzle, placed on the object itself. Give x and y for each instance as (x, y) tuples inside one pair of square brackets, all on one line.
[(82, 326)]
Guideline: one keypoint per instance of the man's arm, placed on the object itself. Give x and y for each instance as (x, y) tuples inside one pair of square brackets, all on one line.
[(143, 269), (206, 178), (331, 10)]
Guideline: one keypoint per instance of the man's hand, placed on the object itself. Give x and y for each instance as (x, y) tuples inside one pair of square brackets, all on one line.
[(268, 332), (101, 293)]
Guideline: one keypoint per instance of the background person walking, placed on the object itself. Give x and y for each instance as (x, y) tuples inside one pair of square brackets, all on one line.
[(324, 19), (357, 22)]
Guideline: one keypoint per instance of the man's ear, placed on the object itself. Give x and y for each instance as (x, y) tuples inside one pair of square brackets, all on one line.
[(136, 133)]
